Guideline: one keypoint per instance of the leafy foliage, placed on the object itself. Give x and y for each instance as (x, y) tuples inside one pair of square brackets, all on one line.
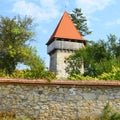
[(106, 112), (28, 74), (109, 114), (81, 77), (113, 45), (113, 75), (74, 64), (14, 33), (98, 58), (80, 22), (115, 116)]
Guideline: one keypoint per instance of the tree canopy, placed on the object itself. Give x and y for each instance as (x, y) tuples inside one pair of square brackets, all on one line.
[(15, 36), (80, 22), (14, 33), (98, 57)]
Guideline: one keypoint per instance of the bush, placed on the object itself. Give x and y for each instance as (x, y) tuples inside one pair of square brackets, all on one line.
[(2, 74), (113, 75), (109, 114), (30, 74), (80, 77), (115, 116)]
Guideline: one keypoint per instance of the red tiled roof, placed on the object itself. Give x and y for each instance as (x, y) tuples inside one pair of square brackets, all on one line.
[(65, 29)]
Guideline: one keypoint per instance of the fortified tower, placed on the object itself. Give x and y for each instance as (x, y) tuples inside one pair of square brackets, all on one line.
[(63, 42)]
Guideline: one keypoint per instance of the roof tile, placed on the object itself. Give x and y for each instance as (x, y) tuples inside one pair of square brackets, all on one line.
[(65, 29)]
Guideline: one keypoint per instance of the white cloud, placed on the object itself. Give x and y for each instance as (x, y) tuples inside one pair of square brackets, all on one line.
[(90, 6), (45, 10), (113, 23)]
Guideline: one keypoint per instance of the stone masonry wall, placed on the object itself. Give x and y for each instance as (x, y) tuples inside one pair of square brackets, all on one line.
[(62, 56), (59, 100)]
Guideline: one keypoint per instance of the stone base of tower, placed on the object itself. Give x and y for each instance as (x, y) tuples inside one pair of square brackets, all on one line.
[(61, 64), (58, 62)]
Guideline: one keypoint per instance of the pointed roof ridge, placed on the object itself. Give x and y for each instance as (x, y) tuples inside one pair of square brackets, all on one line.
[(65, 29)]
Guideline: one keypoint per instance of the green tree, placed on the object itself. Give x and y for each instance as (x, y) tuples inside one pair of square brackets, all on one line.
[(36, 64), (114, 45), (98, 57), (14, 33), (80, 22)]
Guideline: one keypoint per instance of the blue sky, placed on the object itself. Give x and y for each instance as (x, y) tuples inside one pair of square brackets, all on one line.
[(103, 17)]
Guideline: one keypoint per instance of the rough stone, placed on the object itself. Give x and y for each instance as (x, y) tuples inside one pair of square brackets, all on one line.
[(58, 102), (103, 97), (89, 96)]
